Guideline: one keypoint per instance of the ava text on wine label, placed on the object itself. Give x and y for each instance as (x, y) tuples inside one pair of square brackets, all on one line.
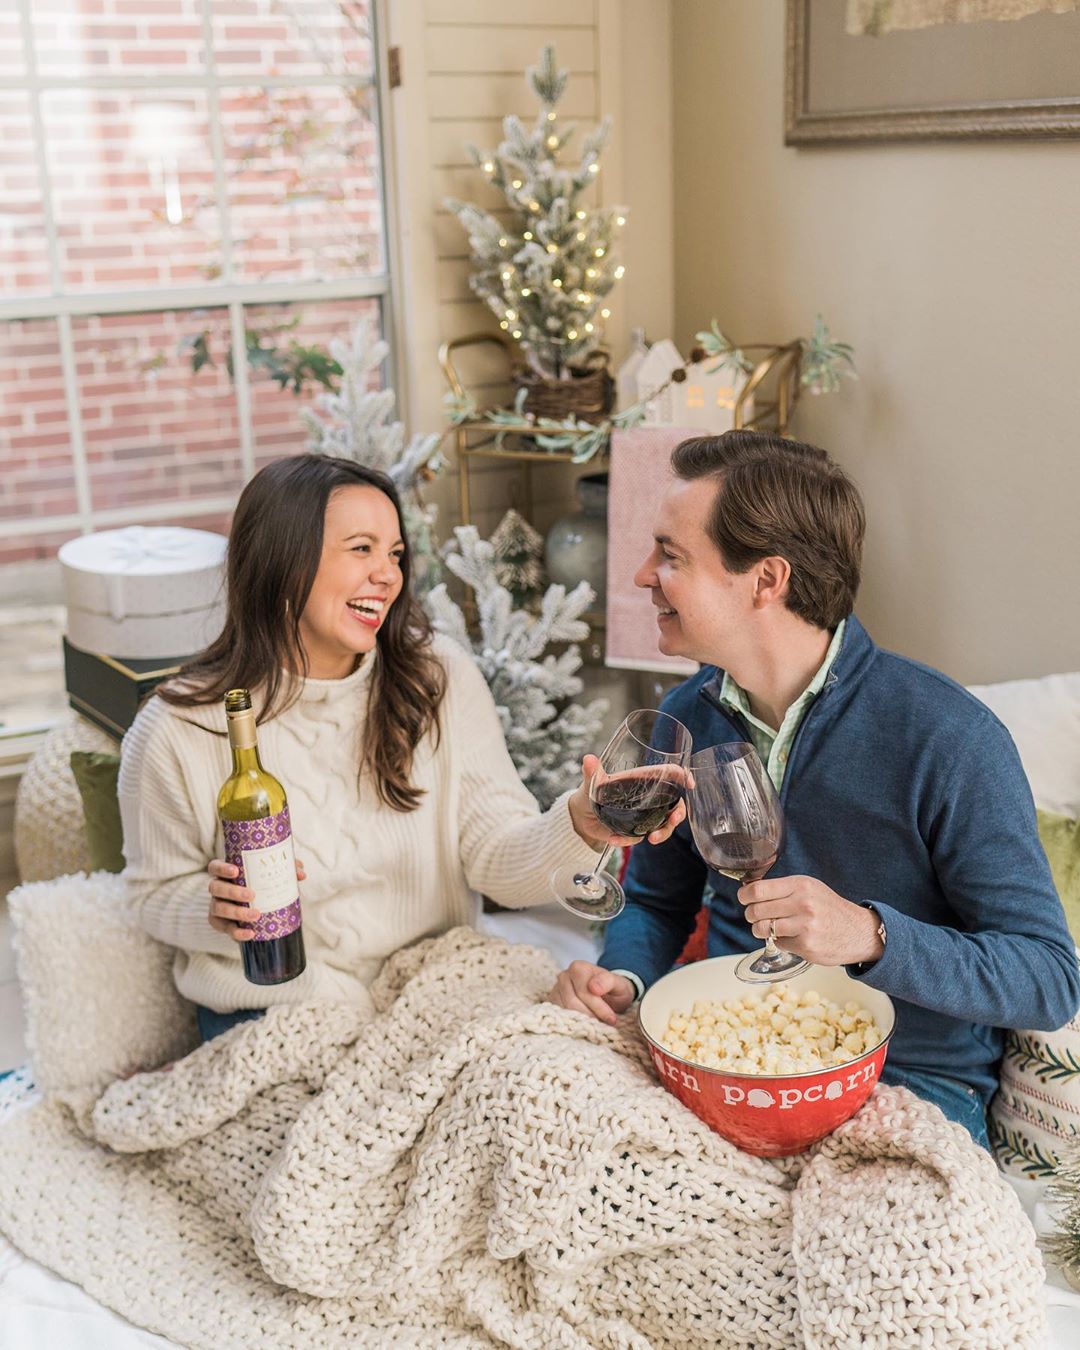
[(783, 1097)]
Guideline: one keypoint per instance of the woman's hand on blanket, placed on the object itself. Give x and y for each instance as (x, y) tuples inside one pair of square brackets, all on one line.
[(230, 905), (589, 827), (583, 987)]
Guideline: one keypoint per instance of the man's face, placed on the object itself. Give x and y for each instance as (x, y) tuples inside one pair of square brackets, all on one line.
[(702, 609)]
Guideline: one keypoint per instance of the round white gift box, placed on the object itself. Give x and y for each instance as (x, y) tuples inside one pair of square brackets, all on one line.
[(144, 592)]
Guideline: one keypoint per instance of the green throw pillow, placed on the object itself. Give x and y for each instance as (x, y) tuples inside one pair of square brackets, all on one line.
[(96, 773), (1061, 839)]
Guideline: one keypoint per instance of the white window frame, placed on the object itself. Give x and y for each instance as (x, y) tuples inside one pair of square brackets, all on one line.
[(227, 294)]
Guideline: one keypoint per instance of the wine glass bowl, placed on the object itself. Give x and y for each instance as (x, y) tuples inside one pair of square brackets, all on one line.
[(738, 826), (640, 780)]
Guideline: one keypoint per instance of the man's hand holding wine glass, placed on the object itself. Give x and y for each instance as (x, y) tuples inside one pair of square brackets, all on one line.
[(812, 920)]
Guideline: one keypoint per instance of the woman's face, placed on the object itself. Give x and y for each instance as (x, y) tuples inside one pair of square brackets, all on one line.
[(359, 578)]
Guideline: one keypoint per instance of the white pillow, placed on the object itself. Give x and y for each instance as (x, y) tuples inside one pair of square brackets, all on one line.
[(1043, 717), (1035, 1116), (98, 991)]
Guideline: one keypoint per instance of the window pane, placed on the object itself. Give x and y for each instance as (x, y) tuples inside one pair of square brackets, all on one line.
[(11, 48), (155, 430), (303, 37), (31, 657), (118, 37), (24, 257), (303, 186), (37, 476), (275, 412), (133, 188)]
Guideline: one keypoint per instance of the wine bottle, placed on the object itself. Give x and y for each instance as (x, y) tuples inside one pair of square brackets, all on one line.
[(254, 815)]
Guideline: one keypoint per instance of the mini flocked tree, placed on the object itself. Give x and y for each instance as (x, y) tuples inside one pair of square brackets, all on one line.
[(518, 552), (546, 733), (545, 272), (356, 424)]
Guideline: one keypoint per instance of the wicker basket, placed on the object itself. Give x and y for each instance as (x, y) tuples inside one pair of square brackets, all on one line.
[(588, 394)]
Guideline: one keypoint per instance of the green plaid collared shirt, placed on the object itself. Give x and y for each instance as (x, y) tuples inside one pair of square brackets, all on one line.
[(775, 746)]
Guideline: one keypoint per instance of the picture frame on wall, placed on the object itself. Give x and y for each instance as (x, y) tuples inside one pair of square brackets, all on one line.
[(991, 79)]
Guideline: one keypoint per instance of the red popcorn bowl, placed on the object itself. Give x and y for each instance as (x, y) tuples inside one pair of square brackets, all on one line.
[(770, 1115)]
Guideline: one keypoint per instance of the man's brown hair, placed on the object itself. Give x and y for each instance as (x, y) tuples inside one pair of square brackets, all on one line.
[(777, 497)]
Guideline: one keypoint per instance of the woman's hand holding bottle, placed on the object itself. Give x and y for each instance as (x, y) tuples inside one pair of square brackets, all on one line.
[(230, 905)]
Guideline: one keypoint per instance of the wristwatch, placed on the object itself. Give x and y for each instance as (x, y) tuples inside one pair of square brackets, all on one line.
[(882, 934)]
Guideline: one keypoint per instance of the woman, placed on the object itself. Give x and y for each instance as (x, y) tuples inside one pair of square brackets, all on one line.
[(403, 799)]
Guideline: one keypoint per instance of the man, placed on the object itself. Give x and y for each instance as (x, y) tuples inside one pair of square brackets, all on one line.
[(911, 855)]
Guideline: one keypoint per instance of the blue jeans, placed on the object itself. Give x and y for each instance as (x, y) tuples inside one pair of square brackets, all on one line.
[(213, 1024), (955, 1099)]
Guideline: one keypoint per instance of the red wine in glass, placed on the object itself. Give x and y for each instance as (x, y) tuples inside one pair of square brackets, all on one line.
[(636, 803), (738, 825), (640, 780)]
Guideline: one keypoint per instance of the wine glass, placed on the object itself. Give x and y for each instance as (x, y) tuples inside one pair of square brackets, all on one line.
[(738, 826), (640, 780)]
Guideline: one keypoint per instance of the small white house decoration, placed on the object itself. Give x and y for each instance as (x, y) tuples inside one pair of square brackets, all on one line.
[(653, 373), (706, 398), (709, 397)]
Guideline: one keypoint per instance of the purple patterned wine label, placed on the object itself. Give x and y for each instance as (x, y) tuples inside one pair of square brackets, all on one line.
[(263, 851)]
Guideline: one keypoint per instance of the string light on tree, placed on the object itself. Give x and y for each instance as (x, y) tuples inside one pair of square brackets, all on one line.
[(534, 262)]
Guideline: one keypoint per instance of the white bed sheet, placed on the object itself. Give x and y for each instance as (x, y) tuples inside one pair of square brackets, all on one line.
[(39, 1309)]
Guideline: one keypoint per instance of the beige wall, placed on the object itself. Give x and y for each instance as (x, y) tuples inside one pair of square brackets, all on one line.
[(953, 270)]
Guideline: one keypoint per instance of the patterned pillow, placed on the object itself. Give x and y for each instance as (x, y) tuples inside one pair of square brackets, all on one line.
[(1035, 1116)]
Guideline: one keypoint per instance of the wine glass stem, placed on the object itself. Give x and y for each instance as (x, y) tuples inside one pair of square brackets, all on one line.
[(594, 875)]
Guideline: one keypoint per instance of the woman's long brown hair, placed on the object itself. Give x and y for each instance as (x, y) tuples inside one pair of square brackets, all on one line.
[(275, 546)]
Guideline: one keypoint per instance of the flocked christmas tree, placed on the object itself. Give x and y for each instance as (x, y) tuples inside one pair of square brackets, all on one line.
[(545, 272), (356, 424), (518, 551), (546, 733)]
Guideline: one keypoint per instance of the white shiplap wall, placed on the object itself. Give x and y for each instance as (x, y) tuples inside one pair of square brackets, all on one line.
[(463, 71)]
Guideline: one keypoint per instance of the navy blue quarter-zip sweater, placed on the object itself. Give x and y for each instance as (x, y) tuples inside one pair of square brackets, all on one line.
[(904, 791)]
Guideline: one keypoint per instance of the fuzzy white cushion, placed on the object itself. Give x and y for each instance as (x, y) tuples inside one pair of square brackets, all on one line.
[(98, 992)]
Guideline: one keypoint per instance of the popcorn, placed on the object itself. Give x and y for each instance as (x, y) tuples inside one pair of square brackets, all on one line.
[(776, 1033)]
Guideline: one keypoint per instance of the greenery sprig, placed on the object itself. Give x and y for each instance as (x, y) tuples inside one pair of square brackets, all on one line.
[(822, 364)]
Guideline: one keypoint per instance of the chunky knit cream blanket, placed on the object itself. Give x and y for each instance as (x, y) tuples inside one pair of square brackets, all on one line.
[(466, 1166)]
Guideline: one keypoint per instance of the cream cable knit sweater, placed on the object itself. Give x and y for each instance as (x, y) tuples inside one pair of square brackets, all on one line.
[(377, 879)]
